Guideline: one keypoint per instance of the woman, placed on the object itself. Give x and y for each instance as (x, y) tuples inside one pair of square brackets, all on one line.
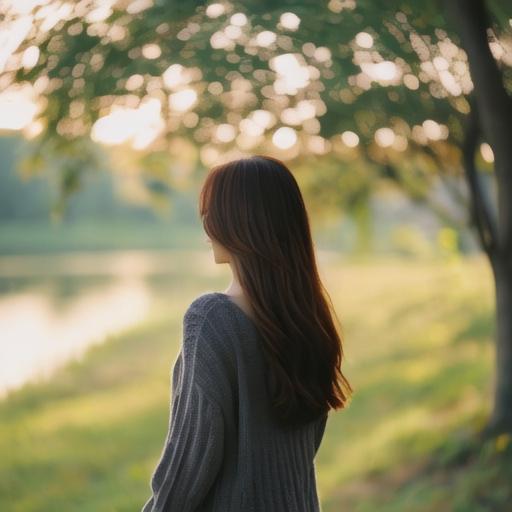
[(259, 366)]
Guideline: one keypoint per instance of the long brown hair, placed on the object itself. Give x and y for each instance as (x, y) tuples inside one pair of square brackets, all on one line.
[(254, 208)]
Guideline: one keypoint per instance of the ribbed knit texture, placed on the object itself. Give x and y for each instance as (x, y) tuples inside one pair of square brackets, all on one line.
[(223, 451)]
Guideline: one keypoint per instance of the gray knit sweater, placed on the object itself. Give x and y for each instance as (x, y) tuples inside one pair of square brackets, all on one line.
[(223, 452)]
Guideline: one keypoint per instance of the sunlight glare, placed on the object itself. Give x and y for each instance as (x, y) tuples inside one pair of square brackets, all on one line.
[(350, 139), (284, 137), (239, 19), (37, 338), (225, 132), (23, 6), (292, 74), (30, 57), (384, 71), (289, 20), (18, 107), (364, 40), (151, 51), (385, 137), (265, 38), (263, 118), (220, 40), (137, 6), (487, 153), (11, 36), (249, 127), (101, 13), (139, 125), (215, 10), (175, 75), (434, 130), (183, 100)]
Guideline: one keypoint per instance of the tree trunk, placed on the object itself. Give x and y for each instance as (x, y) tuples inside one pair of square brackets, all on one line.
[(501, 418), (493, 111)]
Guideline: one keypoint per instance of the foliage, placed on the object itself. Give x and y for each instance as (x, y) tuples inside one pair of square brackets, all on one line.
[(389, 75)]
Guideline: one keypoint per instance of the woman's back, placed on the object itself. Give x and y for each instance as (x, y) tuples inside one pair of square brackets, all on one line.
[(224, 452)]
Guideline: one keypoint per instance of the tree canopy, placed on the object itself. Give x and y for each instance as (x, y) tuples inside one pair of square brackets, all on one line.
[(343, 78)]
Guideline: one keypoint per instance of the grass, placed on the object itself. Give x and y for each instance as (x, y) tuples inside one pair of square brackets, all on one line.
[(418, 339)]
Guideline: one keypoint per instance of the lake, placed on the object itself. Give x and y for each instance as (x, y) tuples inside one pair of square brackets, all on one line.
[(54, 306)]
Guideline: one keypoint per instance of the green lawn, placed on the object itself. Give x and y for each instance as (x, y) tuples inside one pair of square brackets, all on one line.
[(419, 353)]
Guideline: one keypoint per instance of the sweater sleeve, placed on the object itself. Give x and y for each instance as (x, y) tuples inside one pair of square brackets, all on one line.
[(194, 445)]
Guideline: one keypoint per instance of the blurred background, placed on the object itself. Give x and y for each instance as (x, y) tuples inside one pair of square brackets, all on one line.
[(392, 116)]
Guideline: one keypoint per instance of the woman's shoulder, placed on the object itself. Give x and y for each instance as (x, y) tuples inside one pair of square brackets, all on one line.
[(203, 304), (209, 304), (210, 322), (212, 306), (219, 315)]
